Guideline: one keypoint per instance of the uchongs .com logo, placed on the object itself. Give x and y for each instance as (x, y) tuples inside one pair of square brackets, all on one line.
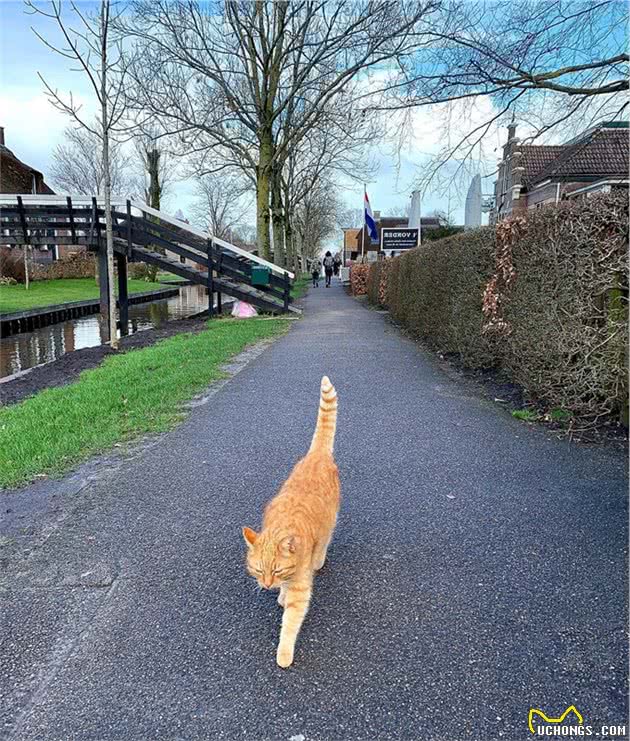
[(569, 724)]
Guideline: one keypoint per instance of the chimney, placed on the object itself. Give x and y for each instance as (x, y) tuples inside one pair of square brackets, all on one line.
[(2, 135), (377, 215)]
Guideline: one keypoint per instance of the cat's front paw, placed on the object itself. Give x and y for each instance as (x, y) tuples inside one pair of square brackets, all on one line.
[(284, 657), (281, 599)]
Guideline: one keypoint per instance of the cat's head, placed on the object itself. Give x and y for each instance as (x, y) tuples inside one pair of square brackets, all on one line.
[(271, 561)]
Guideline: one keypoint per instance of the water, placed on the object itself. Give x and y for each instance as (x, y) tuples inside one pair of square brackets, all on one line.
[(22, 351)]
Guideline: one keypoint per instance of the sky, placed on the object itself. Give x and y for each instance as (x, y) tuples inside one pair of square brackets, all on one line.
[(33, 127)]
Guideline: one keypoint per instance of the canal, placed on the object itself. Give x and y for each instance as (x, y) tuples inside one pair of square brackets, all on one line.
[(23, 351)]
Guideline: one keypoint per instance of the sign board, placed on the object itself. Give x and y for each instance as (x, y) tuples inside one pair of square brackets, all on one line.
[(400, 238)]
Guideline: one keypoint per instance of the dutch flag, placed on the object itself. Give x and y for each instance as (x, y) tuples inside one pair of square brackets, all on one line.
[(369, 219)]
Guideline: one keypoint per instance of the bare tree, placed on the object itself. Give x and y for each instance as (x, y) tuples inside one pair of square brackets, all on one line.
[(156, 167), (351, 218), (244, 82), (77, 164), (98, 54), (402, 210), (336, 148), (316, 219), (221, 203), (556, 66)]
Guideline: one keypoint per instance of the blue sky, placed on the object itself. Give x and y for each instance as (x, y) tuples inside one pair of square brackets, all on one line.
[(33, 127)]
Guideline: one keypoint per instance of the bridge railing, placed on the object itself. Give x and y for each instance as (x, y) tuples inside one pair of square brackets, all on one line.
[(42, 220), (59, 205)]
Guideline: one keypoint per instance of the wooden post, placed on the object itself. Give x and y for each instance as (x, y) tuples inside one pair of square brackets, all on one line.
[(26, 241), (103, 282), (219, 266), (92, 224), (210, 279), (129, 236), (73, 231), (123, 296), (287, 291)]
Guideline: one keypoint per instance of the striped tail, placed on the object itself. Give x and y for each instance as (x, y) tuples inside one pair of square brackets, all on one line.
[(324, 436)]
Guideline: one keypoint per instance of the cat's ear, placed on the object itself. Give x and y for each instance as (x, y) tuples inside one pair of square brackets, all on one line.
[(289, 544), (250, 536)]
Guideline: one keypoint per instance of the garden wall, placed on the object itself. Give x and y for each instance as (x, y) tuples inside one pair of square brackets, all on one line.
[(80, 265), (544, 296)]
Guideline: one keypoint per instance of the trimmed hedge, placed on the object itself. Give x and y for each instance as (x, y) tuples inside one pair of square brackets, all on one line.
[(358, 279), (80, 265), (436, 292), (377, 282), (545, 297), (567, 310)]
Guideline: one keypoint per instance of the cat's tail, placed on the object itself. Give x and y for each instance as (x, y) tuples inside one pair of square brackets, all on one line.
[(324, 436)]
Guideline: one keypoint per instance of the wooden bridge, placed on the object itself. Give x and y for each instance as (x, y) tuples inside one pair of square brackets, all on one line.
[(142, 234)]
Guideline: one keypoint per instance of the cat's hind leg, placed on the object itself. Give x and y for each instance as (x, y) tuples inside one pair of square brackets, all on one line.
[(319, 554), (297, 598)]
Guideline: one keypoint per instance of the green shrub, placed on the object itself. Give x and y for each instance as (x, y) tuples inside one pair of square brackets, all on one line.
[(377, 282), (358, 279), (562, 310), (374, 281), (436, 292), (567, 307), (526, 415)]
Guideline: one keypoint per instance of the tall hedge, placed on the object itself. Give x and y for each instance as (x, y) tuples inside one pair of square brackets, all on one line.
[(544, 296), (436, 292), (377, 282), (566, 311)]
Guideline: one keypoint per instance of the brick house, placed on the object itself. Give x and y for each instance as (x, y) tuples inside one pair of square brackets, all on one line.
[(532, 176), (16, 177), (350, 244)]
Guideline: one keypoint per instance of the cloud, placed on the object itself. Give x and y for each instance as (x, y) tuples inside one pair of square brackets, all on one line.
[(32, 127)]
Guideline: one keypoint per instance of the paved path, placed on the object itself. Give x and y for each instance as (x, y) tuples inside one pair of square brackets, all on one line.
[(477, 569)]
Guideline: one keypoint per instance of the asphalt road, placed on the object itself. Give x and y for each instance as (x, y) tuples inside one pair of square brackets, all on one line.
[(478, 567)]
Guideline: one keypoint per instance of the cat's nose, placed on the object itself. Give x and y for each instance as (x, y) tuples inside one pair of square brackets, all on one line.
[(267, 581)]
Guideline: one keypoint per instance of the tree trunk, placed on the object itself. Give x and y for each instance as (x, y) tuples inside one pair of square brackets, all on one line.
[(26, 270), (153, 168), (154, 196), (263, 188), (288, 243), (109, 232), (278, 219)]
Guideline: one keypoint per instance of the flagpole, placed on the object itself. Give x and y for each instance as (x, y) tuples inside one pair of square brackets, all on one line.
[(364, 223)]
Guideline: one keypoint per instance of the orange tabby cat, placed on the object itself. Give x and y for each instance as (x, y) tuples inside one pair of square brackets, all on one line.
[(297, 527)]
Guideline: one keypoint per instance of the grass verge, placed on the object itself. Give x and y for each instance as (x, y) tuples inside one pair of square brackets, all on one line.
[(128, 395), (162, 275), (526, 415), (300, 284), (51, 292)]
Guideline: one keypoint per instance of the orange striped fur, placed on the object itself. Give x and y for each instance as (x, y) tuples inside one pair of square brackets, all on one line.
[(297, 527)]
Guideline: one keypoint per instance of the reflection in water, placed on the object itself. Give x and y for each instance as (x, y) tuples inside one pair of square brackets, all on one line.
[(22, 351)]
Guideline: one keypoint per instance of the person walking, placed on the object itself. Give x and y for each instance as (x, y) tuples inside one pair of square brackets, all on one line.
[(328, 267), (336, 264), (316, 269)]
